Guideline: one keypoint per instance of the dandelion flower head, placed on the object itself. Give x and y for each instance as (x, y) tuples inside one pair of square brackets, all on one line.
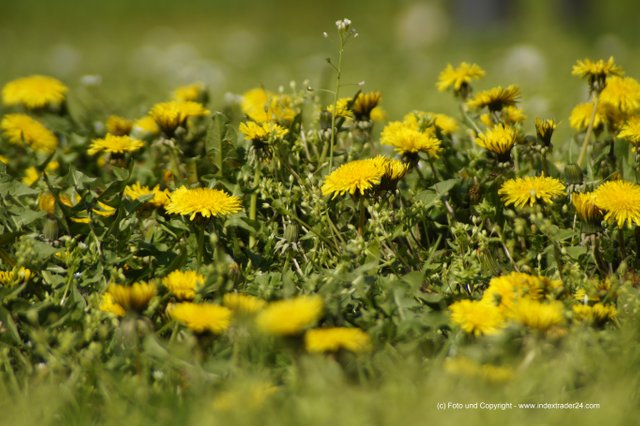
[(528, 190), (406, 137), (333, 339), (243, 303), (173, 114), (495, 98), (289, 317), (15, 276), (262, 131), (581, 116), (261, 105), (21, 128), (34, 92), (498, 139), (459, 78), (136, 191), (134, 297), (184, 284), (620, 200), (115, 145), (477, 317), (630, 131), (201, 317), (204, 202)]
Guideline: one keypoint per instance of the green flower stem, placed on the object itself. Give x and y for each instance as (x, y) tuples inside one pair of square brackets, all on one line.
[(253, 204), (200, 246), (587, 136), (361, 216), (336, 96)]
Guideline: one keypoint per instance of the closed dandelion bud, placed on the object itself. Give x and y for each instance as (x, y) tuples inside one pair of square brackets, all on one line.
[(475, 193), (291, 233), (573, 174), (544, 130)]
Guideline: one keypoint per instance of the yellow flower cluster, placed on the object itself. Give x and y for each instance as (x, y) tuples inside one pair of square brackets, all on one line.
[(135, 297), (459, 78), (498, 139), (262, 131), (15, 276), (136, 191), (517, 298), (261, 105), (466, 367)]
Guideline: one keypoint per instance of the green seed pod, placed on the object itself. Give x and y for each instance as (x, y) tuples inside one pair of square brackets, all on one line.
[(291, 232)]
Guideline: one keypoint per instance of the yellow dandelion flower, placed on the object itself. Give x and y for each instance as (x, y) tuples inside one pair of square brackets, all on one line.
[(496, 98), (195, 92), (184, 284), (621, 94), (31, 176), (545, 129), (506, 290), (586, 209), (104, 210), (334, 339), (35, 92), (289, 317), (581, 116), (243, 303), (447, 125), (118, 126), (145, 127), (537, 315), (621, 202), (513, 115), (201, 317), (477, 318), (466, 367), (47, 202), (343, 108), (596, 72), (135, 297), (16, 276), (115, 145), (173, 114), (407, 138), (378, 114), (4, 160), (136, 191), (394, 169), (365, 104), (202, 201), (263, 131), (458, 78), (353, 177), (528, 190), (21, 128), (630, 131), (596, 314), (498, 139), (261, 105), (109, 306)]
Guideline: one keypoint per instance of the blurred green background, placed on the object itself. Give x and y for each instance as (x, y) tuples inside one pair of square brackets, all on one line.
[(140, 50)]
